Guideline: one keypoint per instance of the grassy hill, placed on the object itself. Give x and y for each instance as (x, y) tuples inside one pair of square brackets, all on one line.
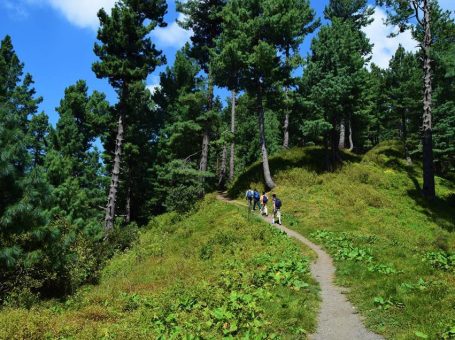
[(220, 272), (210, 274), (394, 250)]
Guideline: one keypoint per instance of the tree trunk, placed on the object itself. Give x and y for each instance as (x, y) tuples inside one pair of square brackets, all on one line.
[(335, 157), (286, 108), (265, 157), (205, 151), (111, 199), (341, 144), (429, 191), (128, 204), (404, 137), (286, 131), (222, 178), (328, 165), (351, 143), (206, 137), (232, 158)]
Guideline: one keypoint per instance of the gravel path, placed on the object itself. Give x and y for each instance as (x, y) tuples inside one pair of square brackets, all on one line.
[(338, 318)]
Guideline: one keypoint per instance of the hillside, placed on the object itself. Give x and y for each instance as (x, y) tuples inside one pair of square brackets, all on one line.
[(213, 273), (394, 250), (219, 271)]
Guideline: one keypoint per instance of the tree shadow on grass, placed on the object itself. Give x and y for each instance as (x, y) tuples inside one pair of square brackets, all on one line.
[(310, 158), (441, 209)]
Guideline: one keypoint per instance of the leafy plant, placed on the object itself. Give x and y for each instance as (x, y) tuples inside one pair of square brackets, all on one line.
[(441, 260)]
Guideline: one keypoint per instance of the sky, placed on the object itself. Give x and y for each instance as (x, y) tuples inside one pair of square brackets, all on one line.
[(55, 38)]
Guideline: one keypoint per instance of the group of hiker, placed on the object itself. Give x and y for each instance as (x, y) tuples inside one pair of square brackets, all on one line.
[(255, 199)]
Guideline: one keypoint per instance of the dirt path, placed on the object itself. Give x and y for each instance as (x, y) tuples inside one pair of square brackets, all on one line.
[(338, 318)]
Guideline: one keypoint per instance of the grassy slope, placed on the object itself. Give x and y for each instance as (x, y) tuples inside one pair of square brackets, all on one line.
[(370, 216), (211, 274)]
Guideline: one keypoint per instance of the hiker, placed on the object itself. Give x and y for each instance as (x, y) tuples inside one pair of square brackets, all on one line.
[(276, 209), (264, 200), (249, 197), (257, 200)]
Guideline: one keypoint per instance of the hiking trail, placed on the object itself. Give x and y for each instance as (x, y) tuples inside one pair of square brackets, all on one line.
[(338, 319)]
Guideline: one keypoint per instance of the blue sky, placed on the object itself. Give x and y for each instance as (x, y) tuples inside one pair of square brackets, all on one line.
[(54, 38)]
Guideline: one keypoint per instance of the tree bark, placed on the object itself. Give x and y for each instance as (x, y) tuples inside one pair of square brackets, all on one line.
[(205, 151), (341, 144), (351, 143), (222, 178), (286, 108), (429, 191), (262, 141), (232, 157), (206, 137), (404, 137), (128, 205), (112, 197), (286, 131)]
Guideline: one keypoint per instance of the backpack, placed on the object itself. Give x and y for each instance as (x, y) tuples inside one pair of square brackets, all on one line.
[(265, 199), (249, 194), (278, 203), (256, 196)]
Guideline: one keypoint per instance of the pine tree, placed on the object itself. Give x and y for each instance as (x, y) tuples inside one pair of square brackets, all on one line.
[(336, 76), (72, 162), (403, 90), (402, 13), (204, 19), (24, 191), (127, 55)]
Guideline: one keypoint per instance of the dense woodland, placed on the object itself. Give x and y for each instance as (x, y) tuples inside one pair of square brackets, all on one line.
[(163, 151)]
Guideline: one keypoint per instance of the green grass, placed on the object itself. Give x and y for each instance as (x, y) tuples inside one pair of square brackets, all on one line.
[(209, 275), (394, 250)]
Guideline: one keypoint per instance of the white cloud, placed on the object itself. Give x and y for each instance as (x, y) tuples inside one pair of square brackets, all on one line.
[(155, 84), (384, 47), (172, 35), (82, 13)]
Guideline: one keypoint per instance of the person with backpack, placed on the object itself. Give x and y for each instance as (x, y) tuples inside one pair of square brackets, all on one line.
[(276, 209), (264, 200), (257, 199), (249, 197)]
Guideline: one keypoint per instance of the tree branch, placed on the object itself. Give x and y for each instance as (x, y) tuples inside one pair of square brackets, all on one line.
[(416, 10)]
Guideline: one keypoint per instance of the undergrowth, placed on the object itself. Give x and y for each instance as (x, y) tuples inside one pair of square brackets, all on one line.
[(211, 274), (394, 250)]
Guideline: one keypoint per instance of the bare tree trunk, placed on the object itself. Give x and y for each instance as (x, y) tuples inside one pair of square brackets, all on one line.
[(111, 199), (206, 137), (341, 144), (428, 171), (205, 151), (351, 143), (232, 158), (265, 157), (286, 108), (286, 131), (404, 137), (128, 204), (222, 178)]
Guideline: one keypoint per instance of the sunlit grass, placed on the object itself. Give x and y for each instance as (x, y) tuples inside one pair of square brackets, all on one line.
[(211, 274), (377, 203)]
